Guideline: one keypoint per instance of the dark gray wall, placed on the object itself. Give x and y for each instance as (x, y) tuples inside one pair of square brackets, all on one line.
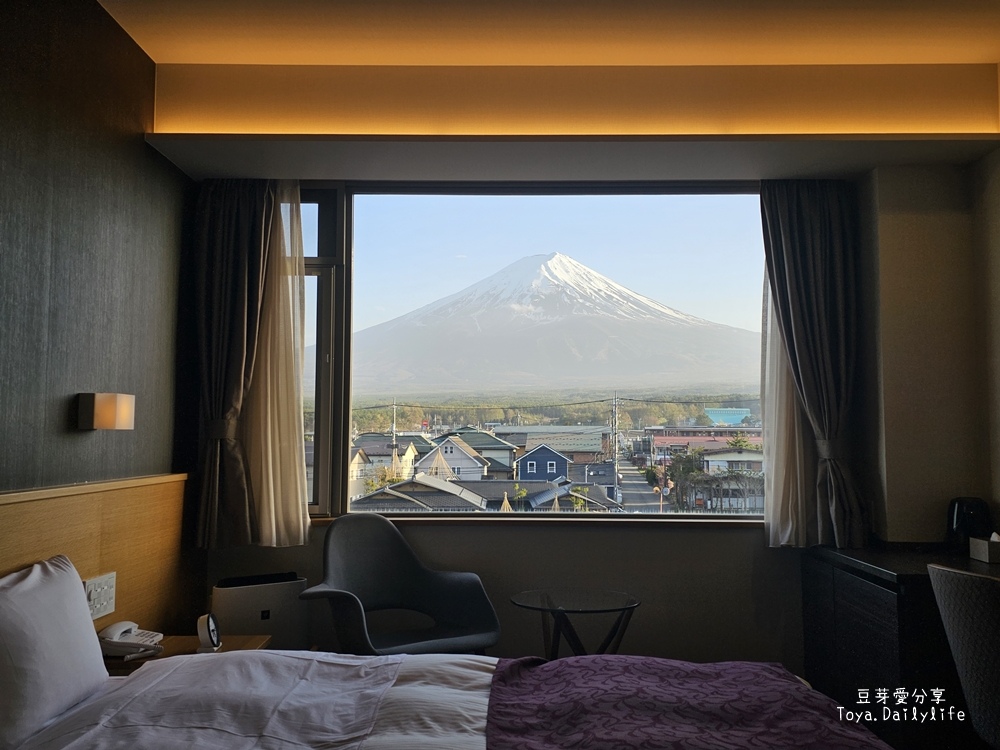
[(90, 243), (709, 591)]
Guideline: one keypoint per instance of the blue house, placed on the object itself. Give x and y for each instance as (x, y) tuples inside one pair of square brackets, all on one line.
[(541, 462)]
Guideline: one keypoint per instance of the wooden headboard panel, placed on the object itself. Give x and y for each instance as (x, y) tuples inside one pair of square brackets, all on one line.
[(131, 527)]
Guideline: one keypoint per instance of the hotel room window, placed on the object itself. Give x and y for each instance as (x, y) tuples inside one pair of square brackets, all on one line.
[(609, 326)]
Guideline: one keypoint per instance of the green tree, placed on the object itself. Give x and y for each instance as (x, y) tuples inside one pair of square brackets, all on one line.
[(744, 484), (739, 441), (383, 477), (685, 470), (518, 500), (580, 503)]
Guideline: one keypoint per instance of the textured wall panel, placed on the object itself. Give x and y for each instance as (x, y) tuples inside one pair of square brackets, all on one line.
[(90, 242)]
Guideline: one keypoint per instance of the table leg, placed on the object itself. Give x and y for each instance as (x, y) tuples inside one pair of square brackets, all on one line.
[(547, 635), (614, 637), (565, 628)]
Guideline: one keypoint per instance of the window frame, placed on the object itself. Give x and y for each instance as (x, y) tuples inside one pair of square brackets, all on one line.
[(331, 471)]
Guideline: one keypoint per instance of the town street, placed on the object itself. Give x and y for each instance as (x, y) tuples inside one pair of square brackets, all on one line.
[(637, 495)]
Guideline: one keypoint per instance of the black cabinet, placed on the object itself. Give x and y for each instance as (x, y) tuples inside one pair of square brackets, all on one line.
[(871, 624)]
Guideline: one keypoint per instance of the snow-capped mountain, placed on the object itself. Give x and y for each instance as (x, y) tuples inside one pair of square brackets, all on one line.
[(546, 322)]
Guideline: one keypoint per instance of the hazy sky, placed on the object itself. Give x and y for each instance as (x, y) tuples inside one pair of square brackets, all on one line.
[(700, 254)]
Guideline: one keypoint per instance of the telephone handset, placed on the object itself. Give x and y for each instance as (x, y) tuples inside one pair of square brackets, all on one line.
[(126, 639)]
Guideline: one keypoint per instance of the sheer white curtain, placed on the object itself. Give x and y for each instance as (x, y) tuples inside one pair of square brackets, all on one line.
[(789, 512), (273, 430)]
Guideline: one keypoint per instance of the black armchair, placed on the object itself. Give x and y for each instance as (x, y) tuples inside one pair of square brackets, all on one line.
[(368, 566), (970, 610)]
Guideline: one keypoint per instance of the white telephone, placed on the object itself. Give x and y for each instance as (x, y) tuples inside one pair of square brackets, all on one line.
[(126, 639)]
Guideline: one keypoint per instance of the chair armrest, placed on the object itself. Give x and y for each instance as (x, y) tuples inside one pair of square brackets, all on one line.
[(320, 591), (461, 598), (349, 623)]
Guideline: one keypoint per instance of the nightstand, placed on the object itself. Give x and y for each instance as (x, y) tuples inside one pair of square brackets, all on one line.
[(177, 645)]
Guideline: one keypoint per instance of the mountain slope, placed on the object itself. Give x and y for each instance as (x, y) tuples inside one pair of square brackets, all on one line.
[(548, 322)]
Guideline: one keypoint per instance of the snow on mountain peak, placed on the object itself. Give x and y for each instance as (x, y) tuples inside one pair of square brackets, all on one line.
[(550, 287), (545, 322)]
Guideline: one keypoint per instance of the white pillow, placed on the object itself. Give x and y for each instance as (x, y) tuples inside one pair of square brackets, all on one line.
[(50, 658)]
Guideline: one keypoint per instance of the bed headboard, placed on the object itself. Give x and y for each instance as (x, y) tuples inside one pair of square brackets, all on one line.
[(132, 527)]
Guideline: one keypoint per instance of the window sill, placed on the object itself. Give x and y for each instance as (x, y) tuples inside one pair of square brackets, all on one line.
[(531, 519)]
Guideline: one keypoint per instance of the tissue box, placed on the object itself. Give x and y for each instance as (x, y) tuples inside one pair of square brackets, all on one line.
[(984, 550)]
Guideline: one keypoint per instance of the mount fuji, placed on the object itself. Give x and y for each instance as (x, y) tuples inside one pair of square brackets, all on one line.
[(548, 322)]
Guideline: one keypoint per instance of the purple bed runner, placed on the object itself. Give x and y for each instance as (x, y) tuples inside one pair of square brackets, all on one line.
[(640, 703)]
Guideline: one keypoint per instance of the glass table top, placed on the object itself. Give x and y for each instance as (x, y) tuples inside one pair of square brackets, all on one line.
[(575, 600)]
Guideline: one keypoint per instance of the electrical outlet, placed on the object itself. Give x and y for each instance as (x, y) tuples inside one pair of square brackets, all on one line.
[(100, 595)]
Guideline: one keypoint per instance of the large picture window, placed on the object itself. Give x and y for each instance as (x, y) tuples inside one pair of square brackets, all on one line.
[(609, 336)]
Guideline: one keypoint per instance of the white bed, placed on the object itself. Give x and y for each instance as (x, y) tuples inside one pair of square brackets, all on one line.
[(57, 694), (286, 699)]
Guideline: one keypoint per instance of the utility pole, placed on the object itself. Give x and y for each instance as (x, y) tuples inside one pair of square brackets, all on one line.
[(614, 443), (394, 444)]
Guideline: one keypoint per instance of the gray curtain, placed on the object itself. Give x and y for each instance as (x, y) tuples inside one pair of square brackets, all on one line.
[(232, 232), (811, 245)]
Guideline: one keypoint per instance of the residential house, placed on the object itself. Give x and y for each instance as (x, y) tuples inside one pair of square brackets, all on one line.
[(359, 469), (425, 493), (397, 459), (665, 447), (582, 443), (739, 484), (453, 458), (498, 453), (578, 447), (542, 462)]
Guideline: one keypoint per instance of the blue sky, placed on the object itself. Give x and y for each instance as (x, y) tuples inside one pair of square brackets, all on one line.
[(700, 254)]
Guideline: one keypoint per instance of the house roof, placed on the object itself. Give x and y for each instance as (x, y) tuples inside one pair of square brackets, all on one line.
[(705, 443), (462, 446), (747, 454), (389, 499), (540, 447), (493, 490), (582, 442), (497, 466), (478, 439), (385, 449), (425, 492)]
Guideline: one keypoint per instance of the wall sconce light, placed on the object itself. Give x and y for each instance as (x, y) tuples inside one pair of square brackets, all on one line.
[(107, 411)]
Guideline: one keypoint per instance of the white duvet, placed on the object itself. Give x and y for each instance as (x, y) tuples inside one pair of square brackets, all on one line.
[(278, 700)]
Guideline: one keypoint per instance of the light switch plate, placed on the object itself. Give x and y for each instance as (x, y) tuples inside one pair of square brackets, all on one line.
[(100, 595)]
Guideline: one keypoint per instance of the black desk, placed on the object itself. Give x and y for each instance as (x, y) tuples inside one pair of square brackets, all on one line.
[(870, 621), (562, 602)]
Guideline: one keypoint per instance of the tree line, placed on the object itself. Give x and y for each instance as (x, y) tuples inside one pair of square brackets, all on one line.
[(633, 413)]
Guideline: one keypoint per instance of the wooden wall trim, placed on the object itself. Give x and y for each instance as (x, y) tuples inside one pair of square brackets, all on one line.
[(132, 527), (86, 488)]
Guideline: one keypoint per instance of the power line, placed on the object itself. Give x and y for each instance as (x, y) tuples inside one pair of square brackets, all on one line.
[(690, 403), (482, 406)]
